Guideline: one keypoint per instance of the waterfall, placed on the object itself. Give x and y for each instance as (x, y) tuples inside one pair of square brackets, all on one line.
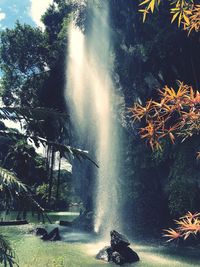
[(91, 97)]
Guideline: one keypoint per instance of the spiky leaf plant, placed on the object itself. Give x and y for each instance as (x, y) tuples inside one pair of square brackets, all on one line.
[(176, 115), (188, 225), (185, 12)]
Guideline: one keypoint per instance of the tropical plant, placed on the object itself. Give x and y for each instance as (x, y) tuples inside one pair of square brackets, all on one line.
[(174, 115), (10, 185), (172, 234), (188, 225), (185, 12), (26, 116), (10, 188)]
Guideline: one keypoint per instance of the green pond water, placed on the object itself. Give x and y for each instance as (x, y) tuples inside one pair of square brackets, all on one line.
[(78, 249)]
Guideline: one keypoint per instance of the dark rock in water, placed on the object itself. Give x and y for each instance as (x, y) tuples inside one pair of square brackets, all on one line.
[(105, 254), (84, 221), (119, 252), (40, 231), (117, 258), (118, 240), (65, 223), (128, 255), (54, 235)]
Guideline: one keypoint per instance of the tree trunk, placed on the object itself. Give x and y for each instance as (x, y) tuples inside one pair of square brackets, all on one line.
[(58, 179), (48, 159), (51, 175)]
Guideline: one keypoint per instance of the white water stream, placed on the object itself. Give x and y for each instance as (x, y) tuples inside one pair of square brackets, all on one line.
[(90, 94)]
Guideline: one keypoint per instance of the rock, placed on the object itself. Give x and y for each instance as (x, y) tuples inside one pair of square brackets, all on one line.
[(119, 252), (105, 254), (128, 254), (54, 235), (40, 231), (118, 240), (84, 221), (117, 258), (65, 223)]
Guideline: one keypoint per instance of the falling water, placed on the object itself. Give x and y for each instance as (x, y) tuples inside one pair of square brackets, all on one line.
[(90, 94)]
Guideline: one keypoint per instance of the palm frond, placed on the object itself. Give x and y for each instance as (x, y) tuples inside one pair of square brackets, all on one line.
[(39, 114), (69, 151), (27, 114), (10, 185), (64, 149), (82, 154), (7, 255)]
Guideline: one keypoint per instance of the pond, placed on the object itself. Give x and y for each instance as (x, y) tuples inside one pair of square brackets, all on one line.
[(78, 249)]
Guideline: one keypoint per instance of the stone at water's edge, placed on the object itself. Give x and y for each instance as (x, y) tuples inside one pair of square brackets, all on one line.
[(40, 231), (128, 254), (117, 258), (118, 240), (66, 223), (84, 221), (54, 235), (119, 252), (105, 254)]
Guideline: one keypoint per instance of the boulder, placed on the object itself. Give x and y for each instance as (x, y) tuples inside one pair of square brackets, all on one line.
[(128, 254), (118, 240), (65, 223), (117, 258), (40, 231), (119, 252), (54, 235), (105, 254), (84, 221)]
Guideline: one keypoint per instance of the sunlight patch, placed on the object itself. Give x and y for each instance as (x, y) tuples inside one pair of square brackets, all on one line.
[(37, 9), (2, 16)]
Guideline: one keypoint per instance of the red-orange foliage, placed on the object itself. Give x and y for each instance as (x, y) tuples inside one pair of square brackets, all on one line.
[(186, 226), (175, 114)]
